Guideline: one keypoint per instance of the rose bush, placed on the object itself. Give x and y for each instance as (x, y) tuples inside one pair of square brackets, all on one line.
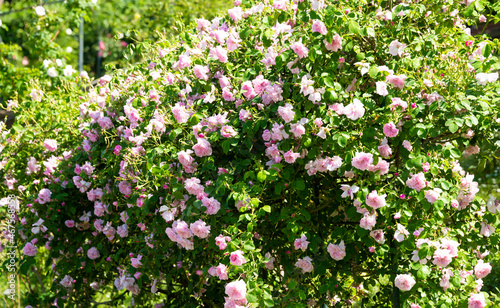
[(286, 154)]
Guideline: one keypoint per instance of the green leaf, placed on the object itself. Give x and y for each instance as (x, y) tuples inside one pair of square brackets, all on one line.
[(486, 50), (262, 175), (354, 27), (299, 184), (328, 81), (267, 208), (342, 141)]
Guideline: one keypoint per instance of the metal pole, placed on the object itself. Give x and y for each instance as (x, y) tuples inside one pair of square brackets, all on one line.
[(80, 53)]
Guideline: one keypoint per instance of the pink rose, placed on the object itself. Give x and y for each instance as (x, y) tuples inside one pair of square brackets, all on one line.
[(180, 113), (67, 281), (200, 229), (212, 205), (375, 201), (222, 241), (368, 221), (354, 110), (477, 301), (202, 148), (184, 61), (222, 272), (381, 88), (319, 26), (407, 145), (227, 131), (417, 181), (237, 258), (236, 290), (235, 13), (69, 223), (335, 45), (50, 145), (482, 269), (93, 253), (337, 252), (136, 262), (182, 229), (362, 161), (44, 196), (442, 257), (185, 158), (398, 81), (300, 49), (29, 250), (286, 113), (125, 188), (404, 282), (290, 156), (397, 102), (305, 265), (390, 130), (219, 53), (201, 72), (301, 243), (432, 195)]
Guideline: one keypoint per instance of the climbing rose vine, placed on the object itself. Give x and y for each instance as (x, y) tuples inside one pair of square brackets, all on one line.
[(285, 154)]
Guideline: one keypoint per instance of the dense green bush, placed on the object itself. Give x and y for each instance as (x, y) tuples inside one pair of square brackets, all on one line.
[(287, 154)]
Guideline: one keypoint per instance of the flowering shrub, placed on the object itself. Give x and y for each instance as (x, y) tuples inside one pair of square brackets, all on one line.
[(286, 154)]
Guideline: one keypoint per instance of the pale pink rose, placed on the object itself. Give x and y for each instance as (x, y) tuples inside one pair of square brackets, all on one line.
[(482, 269), (396, 48), (136, 262), (368, 221), (407, 145), (125, 187), (378, 236), (219, 53), (67, 281), (412, 305), (381, 88), (397, 102), (184, 61), (286, 113), (375, 201), (182, 229), (404, 282), (305, 265), (212, 205), (227, 131), (222, 241), (201, 72), (483, 18), (384, 149), (362, 161), (354, 110), (300, 49), (185, 158), (390, 130), (398, 81), (432, 195), (417, 181), (228, 95), (336, 44), (29, 250), (236, 290), (202, 24), (50, 145), (69, 223), (200, 229), (337, 252), (290, 156), (297, 130), (487, 229), (202, 148), (301, 243), (44, 195), (122, 230), (180, 113), (477, 301), (237, 258), (248, 90), (319, 26), (222, 272), (235, 13), (193, 186), (442, 257), (93, 253), (104, 80)]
